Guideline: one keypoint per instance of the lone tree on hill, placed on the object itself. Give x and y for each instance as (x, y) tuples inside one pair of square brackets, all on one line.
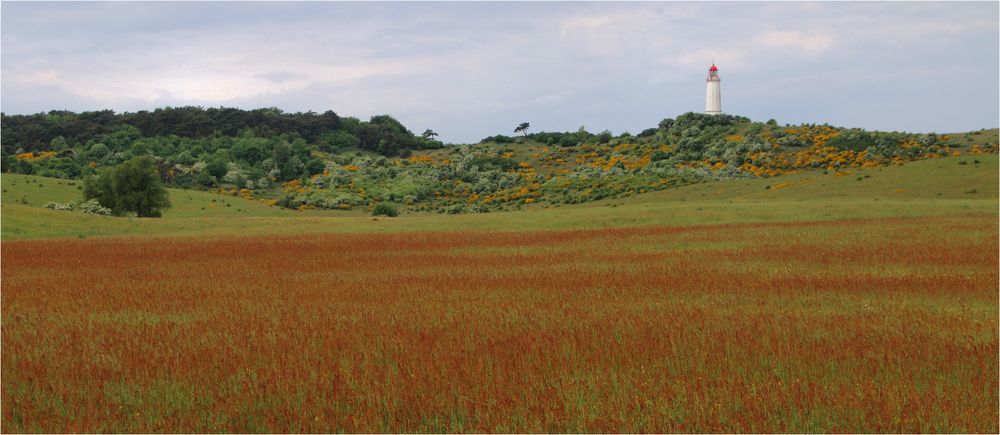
[(523, 128), (429, 134), (131, 187)]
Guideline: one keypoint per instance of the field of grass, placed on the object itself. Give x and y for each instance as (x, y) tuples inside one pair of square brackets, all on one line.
[(872, 325), (813, 302), (956, 186), (34, 191), (191, 211)]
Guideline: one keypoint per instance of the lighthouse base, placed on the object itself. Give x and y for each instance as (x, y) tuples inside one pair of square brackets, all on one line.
[(713, 96)]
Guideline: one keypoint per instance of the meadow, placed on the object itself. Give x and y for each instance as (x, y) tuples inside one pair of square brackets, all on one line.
[(872, 325), (834, 303), (953, 186)]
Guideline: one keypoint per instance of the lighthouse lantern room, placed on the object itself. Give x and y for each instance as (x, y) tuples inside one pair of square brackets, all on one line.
[(713, 92)]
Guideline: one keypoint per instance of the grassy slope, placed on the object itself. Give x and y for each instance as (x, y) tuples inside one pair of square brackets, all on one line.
[(926, 188), (190, 211), (966, 139), (185, 203)]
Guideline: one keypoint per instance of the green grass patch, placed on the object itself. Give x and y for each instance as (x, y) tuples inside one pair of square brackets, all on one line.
[(936, 187)]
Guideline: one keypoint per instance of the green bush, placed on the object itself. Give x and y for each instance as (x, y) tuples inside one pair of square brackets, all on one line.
[(385, 209), (132, 187)]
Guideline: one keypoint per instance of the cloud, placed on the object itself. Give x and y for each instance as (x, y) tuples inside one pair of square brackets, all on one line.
[(278, 77), (550, 99), (797, 41), (469, 70), (702, 58), (584, 24)]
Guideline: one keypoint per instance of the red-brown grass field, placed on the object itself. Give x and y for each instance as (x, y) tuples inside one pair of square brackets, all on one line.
[(866, 325)]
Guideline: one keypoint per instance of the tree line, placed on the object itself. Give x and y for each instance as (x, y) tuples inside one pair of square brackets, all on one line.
[(59, 129), (69, 145), (583, 137)]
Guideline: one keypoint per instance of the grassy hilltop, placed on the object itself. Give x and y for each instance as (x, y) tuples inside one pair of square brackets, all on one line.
[(524, 173)]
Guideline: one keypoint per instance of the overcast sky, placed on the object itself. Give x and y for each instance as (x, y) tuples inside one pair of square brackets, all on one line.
[(469, 70)]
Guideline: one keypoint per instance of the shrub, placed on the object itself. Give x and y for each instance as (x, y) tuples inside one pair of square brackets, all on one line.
[(385, 209), (498, 139), (93, 207), (58, 205), (494, 162), (454, 209), (132, 187), (315, 166), (647, 132), (216, 168)]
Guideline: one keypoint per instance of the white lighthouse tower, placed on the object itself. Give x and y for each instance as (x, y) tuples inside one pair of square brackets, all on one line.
[(713, 92)]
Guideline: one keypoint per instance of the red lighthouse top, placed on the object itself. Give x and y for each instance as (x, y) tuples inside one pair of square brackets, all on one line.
[(713, 68)]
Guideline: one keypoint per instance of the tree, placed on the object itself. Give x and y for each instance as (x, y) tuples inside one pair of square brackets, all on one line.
[(523, 128), (339, 140), (58, 144), (98, 151), (217, 168), (131, 187), (289, 165), (315, 166), (604, 137), (427, 134), (250, 150), (384, 209)]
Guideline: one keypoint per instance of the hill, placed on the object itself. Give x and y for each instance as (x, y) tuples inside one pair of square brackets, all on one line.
[(951, 186), (197, 147), (321, 161), (525, 174)]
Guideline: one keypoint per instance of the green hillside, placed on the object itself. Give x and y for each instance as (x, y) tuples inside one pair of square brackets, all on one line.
[(952, 178), (306, 161), (35, 191), (191, 210), (952, 186)]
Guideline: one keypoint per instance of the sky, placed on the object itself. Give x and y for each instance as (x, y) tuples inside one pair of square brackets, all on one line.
[(469, 70)]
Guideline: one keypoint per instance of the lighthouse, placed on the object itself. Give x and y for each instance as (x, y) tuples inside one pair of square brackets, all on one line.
[(713, 92)]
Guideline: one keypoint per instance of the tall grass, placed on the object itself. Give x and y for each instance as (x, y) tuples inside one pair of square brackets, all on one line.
[(880, 325)]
